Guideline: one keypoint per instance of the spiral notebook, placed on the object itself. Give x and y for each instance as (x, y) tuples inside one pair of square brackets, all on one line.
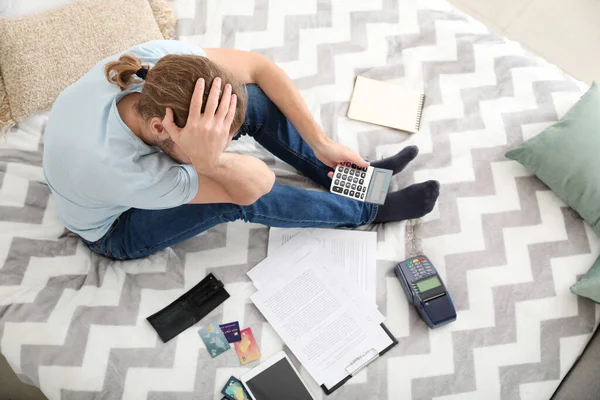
[(387, 104)]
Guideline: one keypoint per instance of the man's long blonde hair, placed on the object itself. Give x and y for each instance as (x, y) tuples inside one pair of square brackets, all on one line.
[(170, 83)]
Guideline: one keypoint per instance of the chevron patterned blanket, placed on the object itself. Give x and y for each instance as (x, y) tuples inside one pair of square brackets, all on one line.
[(74, 323)]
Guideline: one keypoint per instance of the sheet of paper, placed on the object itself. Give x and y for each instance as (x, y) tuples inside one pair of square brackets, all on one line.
[(317, 320), (355, 251), (299, 247)]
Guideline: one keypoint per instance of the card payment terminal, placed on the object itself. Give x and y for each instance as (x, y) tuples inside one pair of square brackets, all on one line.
[(426, 291)]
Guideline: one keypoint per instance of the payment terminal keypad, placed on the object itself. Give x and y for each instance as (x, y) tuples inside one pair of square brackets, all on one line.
[(420, 268)]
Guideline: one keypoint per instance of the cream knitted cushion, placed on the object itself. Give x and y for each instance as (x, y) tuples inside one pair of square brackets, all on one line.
[(42, 54)]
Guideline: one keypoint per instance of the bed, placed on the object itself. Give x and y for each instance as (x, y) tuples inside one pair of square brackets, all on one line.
[(74, 323)]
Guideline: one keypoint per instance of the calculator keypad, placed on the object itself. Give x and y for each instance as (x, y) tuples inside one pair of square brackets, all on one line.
[(350, 180)]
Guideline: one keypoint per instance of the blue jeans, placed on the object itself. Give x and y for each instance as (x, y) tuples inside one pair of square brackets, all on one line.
[(139, 233)]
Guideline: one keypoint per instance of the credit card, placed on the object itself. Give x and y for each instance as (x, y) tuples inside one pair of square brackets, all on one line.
[(231, 331), (234, 390), (213, 339), (247, 349)]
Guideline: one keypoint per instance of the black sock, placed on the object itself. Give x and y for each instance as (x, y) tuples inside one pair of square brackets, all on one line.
[(408, 203), (398, 162)]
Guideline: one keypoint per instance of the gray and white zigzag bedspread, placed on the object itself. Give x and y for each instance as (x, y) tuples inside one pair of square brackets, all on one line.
[(74, 323)]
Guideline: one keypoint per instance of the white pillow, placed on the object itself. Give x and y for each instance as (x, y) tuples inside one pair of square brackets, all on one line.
[(18, 8)]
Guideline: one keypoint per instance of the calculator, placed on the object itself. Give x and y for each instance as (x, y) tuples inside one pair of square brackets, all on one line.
[(369, 185)]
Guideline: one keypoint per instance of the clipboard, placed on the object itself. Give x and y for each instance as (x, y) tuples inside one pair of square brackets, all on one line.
[(362, 364)]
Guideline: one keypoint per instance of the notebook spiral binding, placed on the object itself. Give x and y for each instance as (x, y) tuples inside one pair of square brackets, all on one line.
[(420, 112)]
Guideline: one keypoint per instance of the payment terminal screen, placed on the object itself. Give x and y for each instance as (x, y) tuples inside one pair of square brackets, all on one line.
[(429, 283)]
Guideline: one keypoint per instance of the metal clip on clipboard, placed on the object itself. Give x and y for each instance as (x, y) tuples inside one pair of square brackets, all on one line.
[(362, 362)]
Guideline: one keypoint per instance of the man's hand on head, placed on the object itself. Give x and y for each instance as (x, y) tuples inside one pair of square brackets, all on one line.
[(230, 139), (205, 135)]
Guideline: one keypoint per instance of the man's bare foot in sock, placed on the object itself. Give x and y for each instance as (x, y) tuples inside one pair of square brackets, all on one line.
[(414, 201), (399, 161)]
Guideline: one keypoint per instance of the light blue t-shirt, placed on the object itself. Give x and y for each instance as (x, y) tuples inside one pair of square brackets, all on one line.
[(95, 165)]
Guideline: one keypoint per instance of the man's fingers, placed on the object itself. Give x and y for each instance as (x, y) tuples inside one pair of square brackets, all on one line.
[(196, 104), (168, 123), (213, 97), (354, 158), (230, 113), (330, 174), (229, 139), (224, 103)]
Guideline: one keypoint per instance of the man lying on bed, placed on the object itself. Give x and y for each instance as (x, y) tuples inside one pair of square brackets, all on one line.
[(134, 152)]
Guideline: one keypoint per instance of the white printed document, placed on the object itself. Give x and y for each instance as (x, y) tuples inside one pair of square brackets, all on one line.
[(315, 317), (279, 262), (354, 251)]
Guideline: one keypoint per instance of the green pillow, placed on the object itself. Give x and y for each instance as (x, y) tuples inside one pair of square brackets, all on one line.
[(566, 157), (589, 284)]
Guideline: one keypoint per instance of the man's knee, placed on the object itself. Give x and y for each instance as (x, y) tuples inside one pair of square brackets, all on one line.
[(259, 105)]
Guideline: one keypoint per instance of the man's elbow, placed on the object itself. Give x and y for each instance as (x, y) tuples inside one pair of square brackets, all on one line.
[(261, 188)]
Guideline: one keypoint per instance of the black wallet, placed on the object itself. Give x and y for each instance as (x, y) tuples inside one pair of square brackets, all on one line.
[(188, 309)]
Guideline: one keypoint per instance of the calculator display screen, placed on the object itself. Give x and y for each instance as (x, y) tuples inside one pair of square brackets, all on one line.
[(428, 284), (377, 184)]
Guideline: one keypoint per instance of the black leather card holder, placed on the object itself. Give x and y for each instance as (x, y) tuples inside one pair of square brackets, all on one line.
[(188, 309)]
